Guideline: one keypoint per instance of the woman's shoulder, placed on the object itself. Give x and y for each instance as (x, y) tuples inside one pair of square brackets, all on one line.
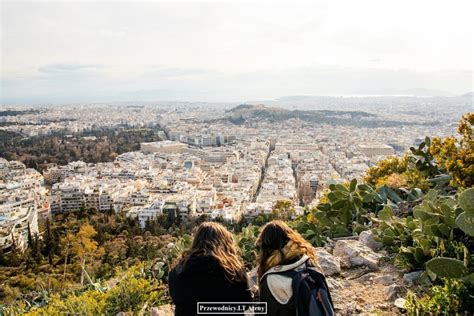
[(283, 268), (198, 264)]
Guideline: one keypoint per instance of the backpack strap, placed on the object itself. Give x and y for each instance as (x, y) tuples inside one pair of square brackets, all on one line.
[(321, 282), (316, 300)]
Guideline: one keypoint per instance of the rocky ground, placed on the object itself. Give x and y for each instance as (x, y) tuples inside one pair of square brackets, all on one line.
[(360, 276)]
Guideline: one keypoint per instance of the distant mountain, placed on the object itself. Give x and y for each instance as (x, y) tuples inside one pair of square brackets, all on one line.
[(468, 95), (246, 112), (241, 107)]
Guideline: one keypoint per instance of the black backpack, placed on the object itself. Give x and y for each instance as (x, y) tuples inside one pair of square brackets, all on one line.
[(310, 292)]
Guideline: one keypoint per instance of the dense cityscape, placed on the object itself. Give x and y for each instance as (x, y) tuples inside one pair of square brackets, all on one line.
[(218, 161), (179, 158)]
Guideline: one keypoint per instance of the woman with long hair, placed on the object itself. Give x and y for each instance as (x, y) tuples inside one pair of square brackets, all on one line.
[(287, 264), (212, 270)]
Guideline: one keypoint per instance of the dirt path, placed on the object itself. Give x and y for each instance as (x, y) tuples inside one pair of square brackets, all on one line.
[(361, 291)]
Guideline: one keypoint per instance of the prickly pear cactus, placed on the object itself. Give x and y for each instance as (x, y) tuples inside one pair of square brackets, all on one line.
[(447, 267), (466, 200), (465, 222)]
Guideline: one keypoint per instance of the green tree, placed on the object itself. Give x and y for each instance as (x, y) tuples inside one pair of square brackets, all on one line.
[(283, 210)]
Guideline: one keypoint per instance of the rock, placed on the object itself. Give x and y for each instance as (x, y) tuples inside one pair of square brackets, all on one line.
[(410, 278), (366, 278), (163, 310), (328, 263), (367, 238), (345, 283), (333, 284), (400, 303), (392, 292), (354, 253), (382, 306), (360, 299), (351, 306), (384, 279)]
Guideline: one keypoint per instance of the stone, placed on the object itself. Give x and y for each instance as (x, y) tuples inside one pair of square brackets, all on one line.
[(367, 278), (345, 283), (393, 291), (384, 279), (382, 306), (367, 238), (333, 284), (400, 303), (411, 278), (328, 263), (163, 310), (354, 253)]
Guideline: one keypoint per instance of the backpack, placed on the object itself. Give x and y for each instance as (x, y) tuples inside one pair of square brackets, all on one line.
[(310, 292)]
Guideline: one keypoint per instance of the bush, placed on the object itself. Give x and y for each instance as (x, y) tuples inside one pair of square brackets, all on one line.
[(135, 292), (454, 297)]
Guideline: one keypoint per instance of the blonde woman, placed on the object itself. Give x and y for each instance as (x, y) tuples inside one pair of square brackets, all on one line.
[(288, 274)]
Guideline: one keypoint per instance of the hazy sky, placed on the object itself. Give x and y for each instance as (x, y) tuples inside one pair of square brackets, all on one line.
[(75, 51)]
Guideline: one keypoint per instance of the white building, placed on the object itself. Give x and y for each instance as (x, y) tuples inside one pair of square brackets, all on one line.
[(165, 146)]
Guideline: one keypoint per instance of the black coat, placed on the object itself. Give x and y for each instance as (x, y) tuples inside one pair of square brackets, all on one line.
[(274, 308), (203, 280)]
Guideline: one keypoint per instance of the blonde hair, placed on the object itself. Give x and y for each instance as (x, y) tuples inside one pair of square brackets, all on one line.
[(213, 239), (277, 243)]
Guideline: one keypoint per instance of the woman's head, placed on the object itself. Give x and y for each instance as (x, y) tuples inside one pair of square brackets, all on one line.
[(213, 239), (278, 243)]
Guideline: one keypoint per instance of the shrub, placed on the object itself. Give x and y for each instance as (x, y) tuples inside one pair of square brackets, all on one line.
[(453, 297)]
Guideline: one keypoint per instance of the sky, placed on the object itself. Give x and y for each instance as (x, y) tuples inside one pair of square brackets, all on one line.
[(85, 51)]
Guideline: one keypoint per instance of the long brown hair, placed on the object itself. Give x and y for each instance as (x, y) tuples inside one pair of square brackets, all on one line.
[(277, 243), (213, 239)]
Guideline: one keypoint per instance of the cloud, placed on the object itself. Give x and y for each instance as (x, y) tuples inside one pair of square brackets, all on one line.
[(63, 68), (181, 84), (176, 72), (233, 50)]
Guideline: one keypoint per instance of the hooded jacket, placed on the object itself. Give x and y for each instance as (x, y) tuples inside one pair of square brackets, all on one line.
[(276, 290), (203, 280)]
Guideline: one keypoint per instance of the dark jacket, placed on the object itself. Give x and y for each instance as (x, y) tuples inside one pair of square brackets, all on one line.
[(276, 290), (203, 280)]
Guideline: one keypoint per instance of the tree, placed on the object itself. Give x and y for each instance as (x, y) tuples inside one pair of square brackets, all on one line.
[(36, 250), (457, 156), (30, 238), (32, 251), (48, 242), (83, 246), (283, 209), (66, 244)]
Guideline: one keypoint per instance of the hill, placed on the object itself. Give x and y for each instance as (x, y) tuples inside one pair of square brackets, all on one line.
[(245, 113)]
